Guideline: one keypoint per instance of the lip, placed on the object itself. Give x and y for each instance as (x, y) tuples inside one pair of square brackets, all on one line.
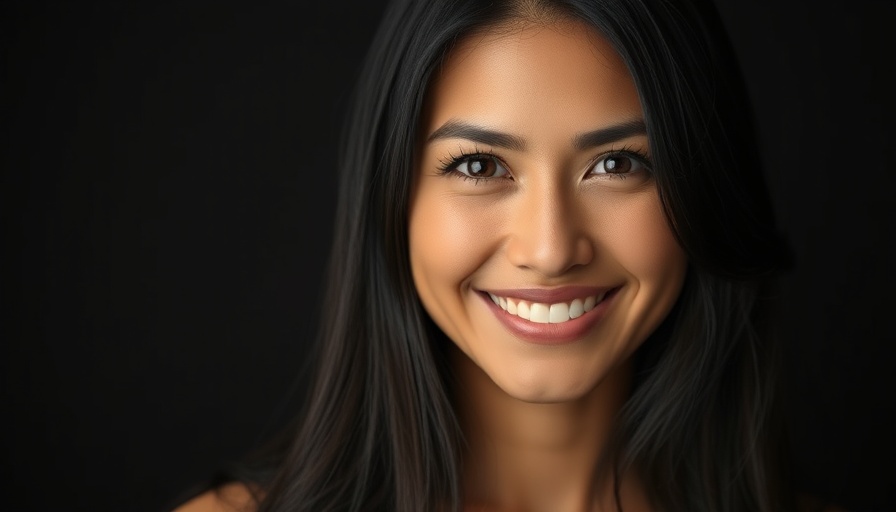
[(551, 296), (551, 334)]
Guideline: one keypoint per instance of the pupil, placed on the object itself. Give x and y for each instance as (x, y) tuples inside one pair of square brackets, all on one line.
[(617, 165), (482, 167)]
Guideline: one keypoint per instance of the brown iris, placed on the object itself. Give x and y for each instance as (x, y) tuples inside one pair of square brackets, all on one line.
[(482, 167), (618, 164)]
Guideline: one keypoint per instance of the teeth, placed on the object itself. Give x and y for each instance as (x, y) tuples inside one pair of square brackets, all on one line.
[(547, 313), (559, 313), (522, 310), (589, 304), (539, 313), (576, 309)]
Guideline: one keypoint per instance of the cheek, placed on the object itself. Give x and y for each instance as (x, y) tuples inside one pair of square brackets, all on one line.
[(645, 241), (643, 244), (450, 238)]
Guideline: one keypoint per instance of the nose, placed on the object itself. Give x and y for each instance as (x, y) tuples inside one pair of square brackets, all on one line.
[(548, 235)]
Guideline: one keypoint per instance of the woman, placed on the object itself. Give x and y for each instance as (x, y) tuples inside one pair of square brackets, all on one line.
[(552, 253)]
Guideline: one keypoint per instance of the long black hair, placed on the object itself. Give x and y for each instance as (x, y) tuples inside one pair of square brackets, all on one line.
[(378, 430)]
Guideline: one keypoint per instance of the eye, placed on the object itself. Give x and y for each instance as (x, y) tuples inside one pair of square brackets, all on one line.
[(480, 166), (619, 164)]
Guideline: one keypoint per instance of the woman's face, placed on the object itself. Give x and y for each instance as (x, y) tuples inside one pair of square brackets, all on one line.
[(537, 240)]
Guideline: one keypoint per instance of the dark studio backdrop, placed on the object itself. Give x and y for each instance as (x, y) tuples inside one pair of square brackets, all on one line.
[(168, 193)]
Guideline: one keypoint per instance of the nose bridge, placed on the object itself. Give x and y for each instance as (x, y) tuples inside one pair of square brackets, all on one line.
[(547, 235)]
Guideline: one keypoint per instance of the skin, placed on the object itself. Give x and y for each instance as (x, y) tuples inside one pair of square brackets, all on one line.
[(234, 497), (537, 415)]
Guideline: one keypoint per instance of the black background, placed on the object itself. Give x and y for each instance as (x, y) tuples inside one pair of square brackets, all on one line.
[(168, 196)]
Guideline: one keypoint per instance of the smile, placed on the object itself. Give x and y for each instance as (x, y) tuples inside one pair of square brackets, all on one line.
[(544, 313), (550, 316)]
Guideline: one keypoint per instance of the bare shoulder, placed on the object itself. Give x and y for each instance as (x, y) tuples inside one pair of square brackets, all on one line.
[(234, 497)]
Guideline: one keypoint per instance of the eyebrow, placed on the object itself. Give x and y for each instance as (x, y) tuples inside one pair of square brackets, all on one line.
[(454, 129), (610, 134)]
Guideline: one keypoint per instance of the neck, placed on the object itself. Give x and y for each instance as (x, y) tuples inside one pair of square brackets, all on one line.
[(526, 456)]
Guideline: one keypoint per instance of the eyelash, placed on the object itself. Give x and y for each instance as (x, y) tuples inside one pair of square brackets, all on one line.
[(628, 152), (448, 167)]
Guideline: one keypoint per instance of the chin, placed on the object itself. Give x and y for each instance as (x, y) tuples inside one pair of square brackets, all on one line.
[(544, 383)]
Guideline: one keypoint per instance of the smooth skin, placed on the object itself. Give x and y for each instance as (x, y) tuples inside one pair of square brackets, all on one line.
[(546, 211)]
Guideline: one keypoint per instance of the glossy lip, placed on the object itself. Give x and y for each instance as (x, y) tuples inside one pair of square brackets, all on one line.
[(551, 334)]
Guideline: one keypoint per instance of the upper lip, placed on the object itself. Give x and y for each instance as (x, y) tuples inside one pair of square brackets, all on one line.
[(552, 295)]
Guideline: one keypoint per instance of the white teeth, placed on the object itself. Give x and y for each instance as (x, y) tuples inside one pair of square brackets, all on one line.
[(576, 309), (539, 313), (548, 313), (511, 306), (589, 304), (522, 310), (559, 313)]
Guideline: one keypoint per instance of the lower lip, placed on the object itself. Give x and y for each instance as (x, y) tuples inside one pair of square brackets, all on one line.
[(551, 334)]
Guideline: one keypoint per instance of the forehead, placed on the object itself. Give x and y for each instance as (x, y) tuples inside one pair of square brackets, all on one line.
[(527, 73)]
